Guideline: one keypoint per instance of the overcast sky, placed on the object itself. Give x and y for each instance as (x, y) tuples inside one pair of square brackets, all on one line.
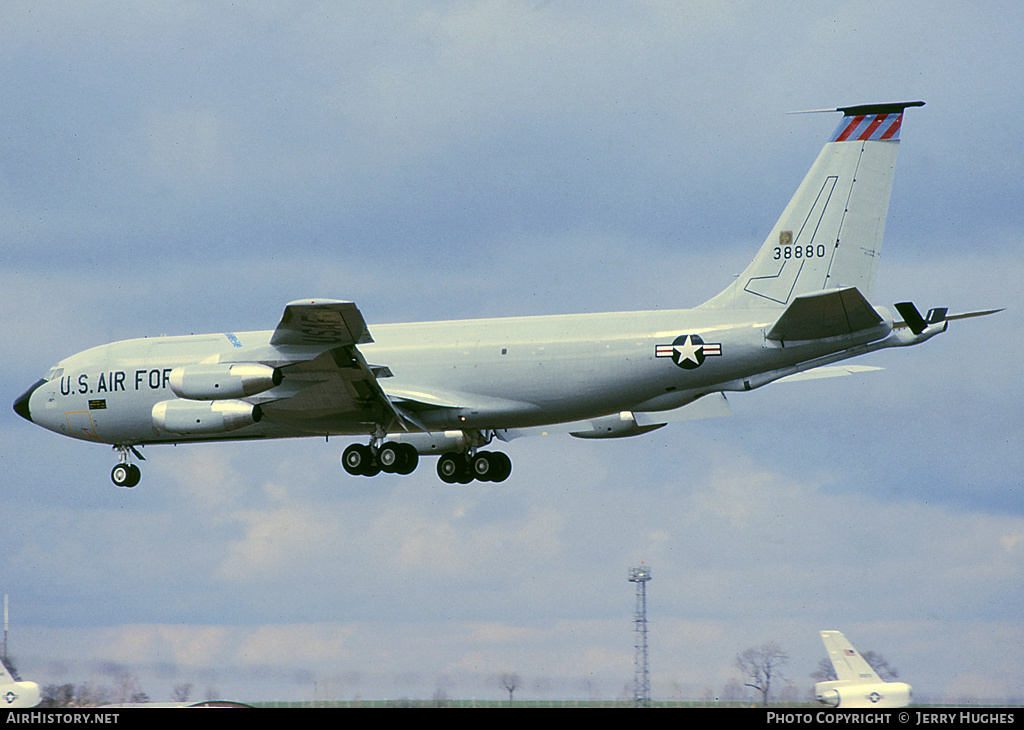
[(178, 167)]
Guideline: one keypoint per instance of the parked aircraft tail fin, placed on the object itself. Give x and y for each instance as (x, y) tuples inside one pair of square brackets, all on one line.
[(15, 693), (830, 234), (850, 666), (856, 683)]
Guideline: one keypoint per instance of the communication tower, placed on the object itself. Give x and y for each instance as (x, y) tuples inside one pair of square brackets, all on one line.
[(641, 672)]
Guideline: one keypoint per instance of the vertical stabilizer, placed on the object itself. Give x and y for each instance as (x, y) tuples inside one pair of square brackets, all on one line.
[(16, 694), (857, 684), (5, 676), (850, 666), (830, 234)]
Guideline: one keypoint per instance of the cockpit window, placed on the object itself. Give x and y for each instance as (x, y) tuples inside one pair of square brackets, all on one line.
[(53, 374)]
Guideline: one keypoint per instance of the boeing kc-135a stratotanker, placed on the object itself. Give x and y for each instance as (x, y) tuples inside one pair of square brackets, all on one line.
[(452, 388)]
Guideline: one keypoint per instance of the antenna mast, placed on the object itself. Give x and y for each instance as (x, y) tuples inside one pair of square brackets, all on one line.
[(641, 673)]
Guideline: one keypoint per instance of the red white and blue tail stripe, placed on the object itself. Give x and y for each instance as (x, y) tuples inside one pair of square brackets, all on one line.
[(871, 123)]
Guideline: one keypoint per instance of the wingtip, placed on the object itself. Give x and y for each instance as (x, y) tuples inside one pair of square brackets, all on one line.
[(969, 315)]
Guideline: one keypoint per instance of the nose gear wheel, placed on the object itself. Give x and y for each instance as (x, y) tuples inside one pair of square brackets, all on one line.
[(126, 474)]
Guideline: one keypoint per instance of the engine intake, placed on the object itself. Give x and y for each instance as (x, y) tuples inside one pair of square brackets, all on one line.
[(191, 418), (222, 381)]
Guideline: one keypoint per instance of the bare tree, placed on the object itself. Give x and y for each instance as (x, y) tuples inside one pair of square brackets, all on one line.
[(128, 689), (826, 672), (881, 665), (440, 698), (54, 695), (761, 665), (732, 692), (11, 667), (510, 681), (86, 695), (181, 692)]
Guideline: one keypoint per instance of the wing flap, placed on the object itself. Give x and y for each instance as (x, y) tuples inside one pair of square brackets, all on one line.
[(331, 384), (825, 314)]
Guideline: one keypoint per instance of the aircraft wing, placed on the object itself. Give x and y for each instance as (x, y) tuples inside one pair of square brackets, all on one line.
[(326, 377), (829, 371), (320, 322), (825, 314), (629, 423)]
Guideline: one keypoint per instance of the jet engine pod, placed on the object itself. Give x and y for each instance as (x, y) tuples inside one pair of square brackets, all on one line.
[(192, 418), (222, 380)]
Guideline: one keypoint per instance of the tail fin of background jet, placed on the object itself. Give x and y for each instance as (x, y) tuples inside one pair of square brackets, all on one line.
[(16, 694), (857, 684), (830, 234), (850, 666)]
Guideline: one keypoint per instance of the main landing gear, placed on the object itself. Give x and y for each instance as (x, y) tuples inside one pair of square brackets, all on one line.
[(390, 458), (126, 474), (484, 466), (402, 458)]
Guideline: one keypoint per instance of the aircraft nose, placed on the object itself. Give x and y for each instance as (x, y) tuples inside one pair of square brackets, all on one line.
[(21, 405)]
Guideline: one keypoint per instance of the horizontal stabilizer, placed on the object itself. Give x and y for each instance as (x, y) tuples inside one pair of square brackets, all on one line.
[(872, 122), (969, 315), (826, 314), (913, 320)]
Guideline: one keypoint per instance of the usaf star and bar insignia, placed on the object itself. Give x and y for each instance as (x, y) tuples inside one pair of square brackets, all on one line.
[(688, 351)]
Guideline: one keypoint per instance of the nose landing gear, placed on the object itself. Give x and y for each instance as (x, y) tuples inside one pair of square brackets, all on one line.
[(126, 474)]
